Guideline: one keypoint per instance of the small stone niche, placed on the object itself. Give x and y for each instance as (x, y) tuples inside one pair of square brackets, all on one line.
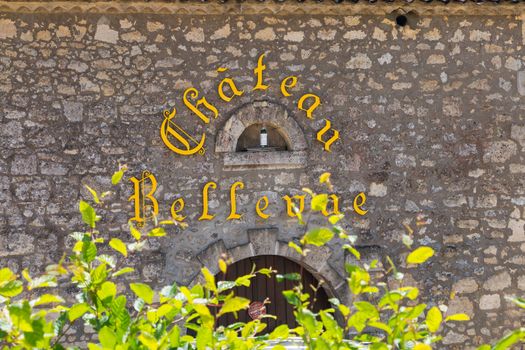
[(239, 139), (249, 141)]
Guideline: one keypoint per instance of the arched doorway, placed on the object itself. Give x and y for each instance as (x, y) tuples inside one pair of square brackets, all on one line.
[(262, 287)]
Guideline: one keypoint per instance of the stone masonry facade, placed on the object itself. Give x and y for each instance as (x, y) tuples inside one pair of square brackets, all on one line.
[(431, 116)]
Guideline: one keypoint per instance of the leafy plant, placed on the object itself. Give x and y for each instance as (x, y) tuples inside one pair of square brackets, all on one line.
[(149, 320), (381, 316)]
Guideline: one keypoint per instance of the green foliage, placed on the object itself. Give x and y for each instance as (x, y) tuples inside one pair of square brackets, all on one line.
[(126, 315)]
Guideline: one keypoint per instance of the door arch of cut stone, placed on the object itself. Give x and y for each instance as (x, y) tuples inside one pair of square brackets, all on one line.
[(263, 287)]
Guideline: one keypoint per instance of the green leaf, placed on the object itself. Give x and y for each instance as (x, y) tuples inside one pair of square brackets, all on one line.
[(59, 323), (234, 304), (510, 339), (47, 299), (99, 275), (11, 289), (143, 291), (88, 214), (119, 246), (380, 325), (420, 255), (204, 338), (293, 276), (42, 282), (295, 247), (117, 176), (319, 202), (20, 314), (157, 232), (484, 347), (368, 309), (352, 250), (318, 236), (89, 251), (107, 338), (77, 310), (174, 336), (134, 232), (93, 193), (210, 279), (457, 317), (123, 271), (148, 340), (434, 319), (225, 285), (118, 308), (334, 219), (281, 332), (6, 275), (518, 301), (107, 290)]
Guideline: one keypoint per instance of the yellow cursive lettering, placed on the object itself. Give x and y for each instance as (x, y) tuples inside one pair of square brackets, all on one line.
[(205, 215)]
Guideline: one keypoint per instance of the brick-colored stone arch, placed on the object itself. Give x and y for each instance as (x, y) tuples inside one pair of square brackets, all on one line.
[(264, 242)]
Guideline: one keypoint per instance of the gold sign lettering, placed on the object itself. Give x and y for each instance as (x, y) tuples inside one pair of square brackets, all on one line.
[(140, 198), (290, 205), (335, 203), (258, 71), (359, 201), (323, 131), (311, 109), (195, 108), (285, 85), (176, 208), (169, 128), (233, 200), (205, 215), (231, 84), (260, 209)]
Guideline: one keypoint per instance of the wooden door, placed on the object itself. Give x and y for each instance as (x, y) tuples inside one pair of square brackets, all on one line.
[(263, 287)]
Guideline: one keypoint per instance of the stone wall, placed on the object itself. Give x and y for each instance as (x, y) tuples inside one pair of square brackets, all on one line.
[(432, 122)]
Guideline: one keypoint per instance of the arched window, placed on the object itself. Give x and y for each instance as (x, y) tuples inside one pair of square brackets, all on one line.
[(239, 138)]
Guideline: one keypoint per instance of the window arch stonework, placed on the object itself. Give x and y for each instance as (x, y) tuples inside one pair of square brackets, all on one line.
[(264, 113)]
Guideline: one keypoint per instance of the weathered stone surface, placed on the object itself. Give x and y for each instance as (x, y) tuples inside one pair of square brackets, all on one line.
[(517, 228), (489, 302), (454, 338), (378, 190), (499, 151), (521, 83), (517, 132), (73, 110), (7, 29), (521, 283), (222, 33), (465, 286), (24, 165), (266, 34), (106, 34), (359, 61), (16, 243), (498, 282), (461, 305), (430, 121)]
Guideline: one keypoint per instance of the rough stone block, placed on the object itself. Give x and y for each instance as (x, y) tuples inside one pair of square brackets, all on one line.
[(73, 110), (263, 240)]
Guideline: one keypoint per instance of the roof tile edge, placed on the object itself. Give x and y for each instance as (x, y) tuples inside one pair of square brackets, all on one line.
[(270, 7)]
